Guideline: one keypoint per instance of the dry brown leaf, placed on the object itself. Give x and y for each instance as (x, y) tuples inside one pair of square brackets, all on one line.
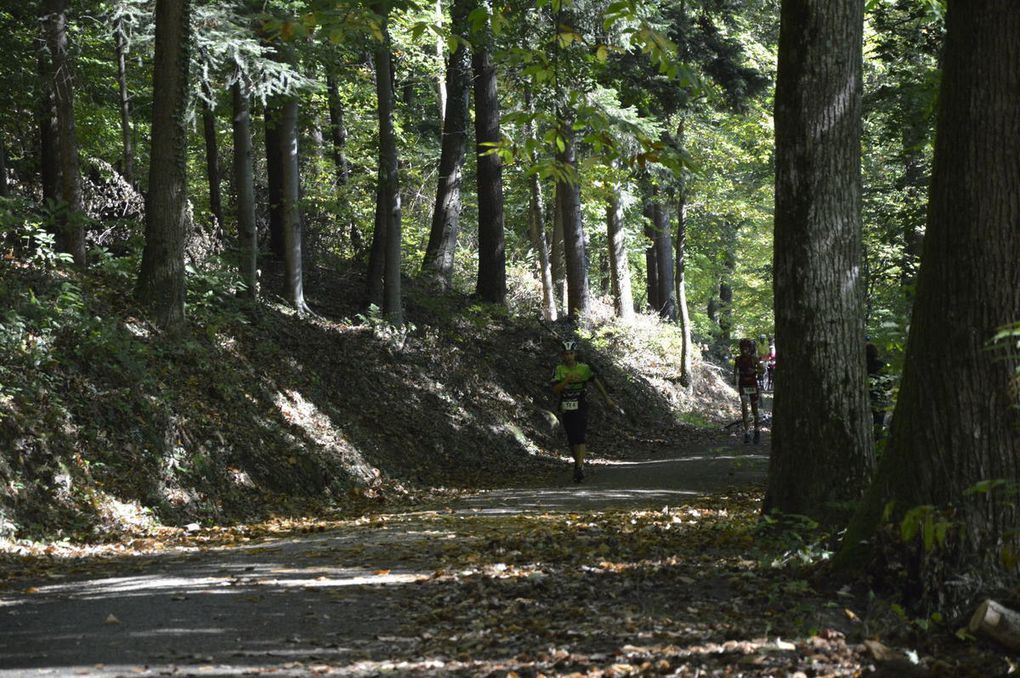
[(880, 652), (381, 573)]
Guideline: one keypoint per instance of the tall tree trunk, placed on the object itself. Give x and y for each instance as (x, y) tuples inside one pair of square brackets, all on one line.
[(652, 287), (442, 245), (377, 251), (290, 181), (212, 161), (244, 187), (271, 114), (4, 192), (161, 283), (955, 422), (619, 266), (337, 130), (729, 269), (536, 222), (683, 313), (578, 297), (915, 182), (664, 259), (49, 166), (389, 185), (559, 263), (127, 167), (822, 453), (652, 279), (491, 250), (338, 137), (441, 82), (72, 231)]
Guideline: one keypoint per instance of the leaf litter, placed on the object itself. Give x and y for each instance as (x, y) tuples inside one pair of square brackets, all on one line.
[(689, 590)]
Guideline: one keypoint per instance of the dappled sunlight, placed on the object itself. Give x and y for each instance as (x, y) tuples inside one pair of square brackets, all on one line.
[(568, 499), (304, 414), (678, 460)]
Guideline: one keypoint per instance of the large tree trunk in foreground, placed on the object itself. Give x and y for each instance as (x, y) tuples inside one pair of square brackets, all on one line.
[(244, 187), (161, 282), (491, 250), (821, 429), (442, 245), (955, 423), (72, 231)]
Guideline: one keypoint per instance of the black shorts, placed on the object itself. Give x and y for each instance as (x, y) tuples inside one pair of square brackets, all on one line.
[(575, 423)]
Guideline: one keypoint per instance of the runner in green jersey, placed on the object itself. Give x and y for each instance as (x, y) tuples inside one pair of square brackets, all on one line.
[(569, 382)]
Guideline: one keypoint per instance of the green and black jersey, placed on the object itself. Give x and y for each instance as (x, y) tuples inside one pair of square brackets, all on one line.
[(573, 396)]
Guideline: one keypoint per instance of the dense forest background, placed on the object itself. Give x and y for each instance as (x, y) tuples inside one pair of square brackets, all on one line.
[(244, 237)]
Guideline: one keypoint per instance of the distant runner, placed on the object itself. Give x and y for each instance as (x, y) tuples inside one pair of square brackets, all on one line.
[(569, 382), (770, 367), (746, 369)]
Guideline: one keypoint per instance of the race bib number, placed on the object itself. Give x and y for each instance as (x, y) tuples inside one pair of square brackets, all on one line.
[(748, 390), (569, 405)]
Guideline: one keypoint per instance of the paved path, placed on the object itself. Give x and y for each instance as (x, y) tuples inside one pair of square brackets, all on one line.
[(289, 605)]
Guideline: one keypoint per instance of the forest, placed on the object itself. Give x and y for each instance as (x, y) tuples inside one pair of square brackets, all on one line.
[(283, 282)]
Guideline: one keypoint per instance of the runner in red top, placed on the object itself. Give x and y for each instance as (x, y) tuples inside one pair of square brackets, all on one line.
[(745, 378)]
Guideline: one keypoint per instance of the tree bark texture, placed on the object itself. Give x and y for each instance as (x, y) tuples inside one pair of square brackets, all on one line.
[(212, 161), (491, 249), (442, 245), (725, 308), (955, 422), (619, 266), (71, 236), (389, 184), (441, 82), (244, 187), (663, 244), (536, 224), (652, 279), (4, 192), (161, 281), (337, 130), (558, 264), (127, 167), (290, 180), (274, 177), (822, 453), (338, 137), (683, 313), (578, 296), (49, 167), (377, 250)]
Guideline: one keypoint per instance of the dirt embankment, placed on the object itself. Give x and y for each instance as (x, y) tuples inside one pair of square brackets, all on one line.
[(109, 425)]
